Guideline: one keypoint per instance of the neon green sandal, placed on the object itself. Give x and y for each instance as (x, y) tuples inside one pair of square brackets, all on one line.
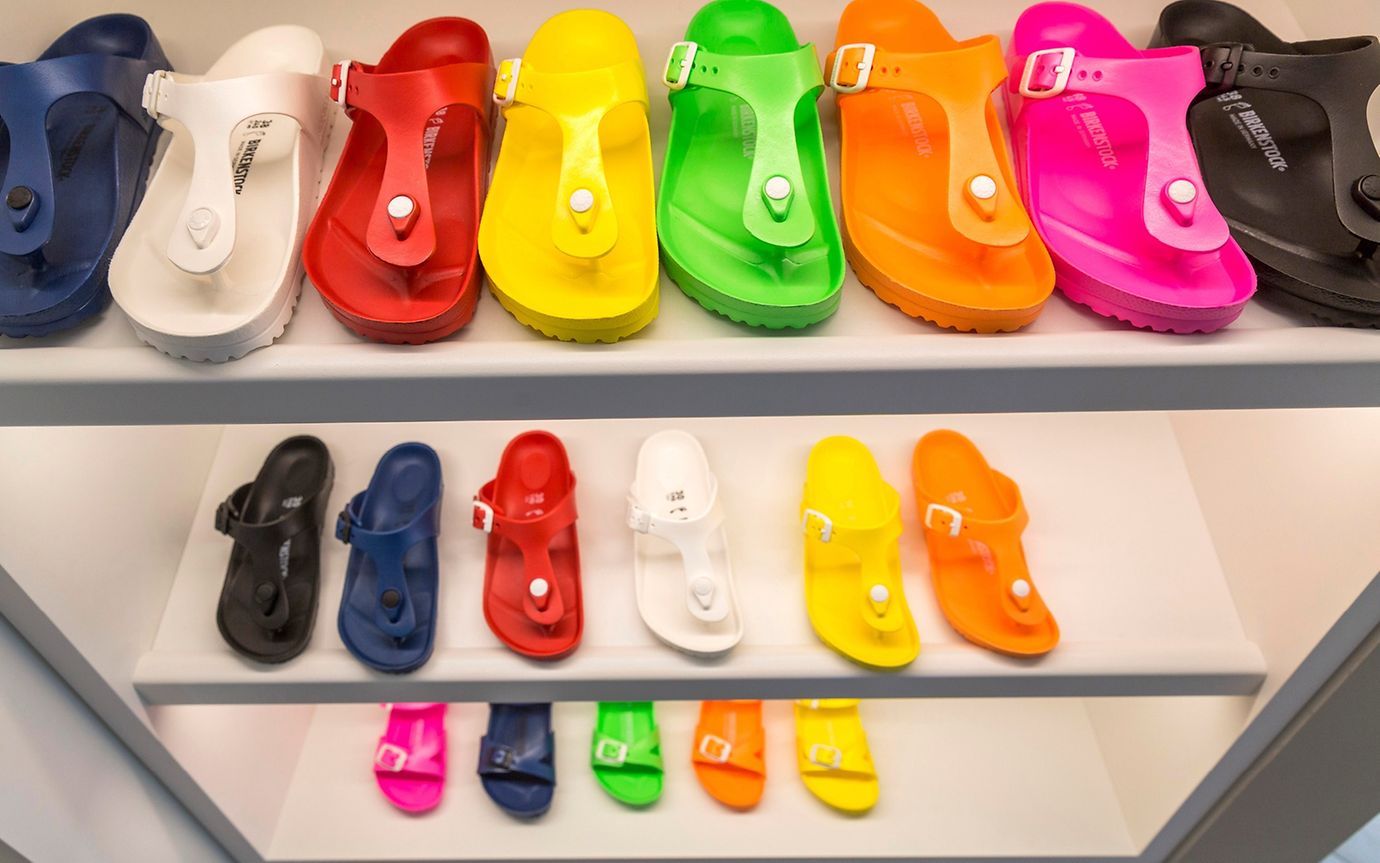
[(626, 752), (744, 215)]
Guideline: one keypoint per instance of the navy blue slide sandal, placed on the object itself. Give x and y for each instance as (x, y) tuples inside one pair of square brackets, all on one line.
[(75, 148), (388, 611), (517, 759)]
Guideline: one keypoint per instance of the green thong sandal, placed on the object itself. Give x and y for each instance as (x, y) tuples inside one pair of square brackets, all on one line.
[(744, 215), (626, 752)]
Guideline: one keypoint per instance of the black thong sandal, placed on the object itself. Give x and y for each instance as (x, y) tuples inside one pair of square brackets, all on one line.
[(1288, 157), (268, 604)]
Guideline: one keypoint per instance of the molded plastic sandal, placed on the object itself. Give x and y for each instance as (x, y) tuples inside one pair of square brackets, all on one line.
[(267, 606), (517, 759), (933, 222), (831, 752), (210, 267), (1287, 152), (74, 161), (410, 760), (747, 225), (730, 743), (569, 232), (626, 752), (1108, 174), (532, 570), (973, 518), (853, 592), (682, 569), (393, 249), (388, 611)]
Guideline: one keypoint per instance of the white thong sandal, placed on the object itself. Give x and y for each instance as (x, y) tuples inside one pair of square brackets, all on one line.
[(210, 268), (684, 581)]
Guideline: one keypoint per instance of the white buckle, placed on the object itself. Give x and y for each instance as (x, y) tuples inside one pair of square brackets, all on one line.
[(687, 65), (826, 527), (398, 760), (1061, 73), (611, 752), (835, 755), (340, 75), (153, 92), (509, 92), (864, 66), (483, 516), (715, 748), (638, 518), (955, 517)]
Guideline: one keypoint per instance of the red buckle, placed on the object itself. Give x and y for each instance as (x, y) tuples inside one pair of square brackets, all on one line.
[(340, 76), (483, 516)]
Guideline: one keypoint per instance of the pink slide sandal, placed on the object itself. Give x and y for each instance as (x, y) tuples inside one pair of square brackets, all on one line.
[(1109, 175), (410, 761)]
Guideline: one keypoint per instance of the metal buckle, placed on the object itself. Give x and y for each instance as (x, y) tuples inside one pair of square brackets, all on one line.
[(835, 755), (342, 526), (955, 518), (826, 524), (397, 761), (483, 516), (1221, 64), (638, 518), (340, 76), (682, 65), (715, 748), (613, 752), (505, 82), (1062, 72), (864, 67), (153, 92), (502, 756)]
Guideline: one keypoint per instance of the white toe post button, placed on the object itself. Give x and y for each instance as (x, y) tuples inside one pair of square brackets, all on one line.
[(203, 224), (703, 590), (539, 588), (402, 214), (981, 195), (1020, 588), (778, 188), (983, 187), (880, 597), (1181, 199), (581, 201), (1183, 192), (777, 194)]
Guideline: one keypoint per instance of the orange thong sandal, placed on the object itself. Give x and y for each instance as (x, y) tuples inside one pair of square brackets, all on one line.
[(932, 220), (728, 754), (973, 518)]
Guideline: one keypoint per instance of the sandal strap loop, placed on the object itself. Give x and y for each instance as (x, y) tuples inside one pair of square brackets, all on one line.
[(542, 599), (707, 594), (502, 759), (394, 612)]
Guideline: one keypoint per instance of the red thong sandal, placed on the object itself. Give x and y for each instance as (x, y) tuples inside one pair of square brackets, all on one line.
[(532, 572), (393, 249)]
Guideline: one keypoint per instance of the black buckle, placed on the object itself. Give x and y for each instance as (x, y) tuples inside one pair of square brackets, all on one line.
[(223, 517), (502, 756), (342, 526), (1221, 64)]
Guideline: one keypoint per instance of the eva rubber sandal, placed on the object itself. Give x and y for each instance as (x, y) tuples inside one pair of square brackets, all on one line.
[(74, 161), (681, 564), (933, 222), (410, 759), (973, 518), (626, 752), (393, 248), (1286, 148), (267, 606), (730, 743), (1108, 174), (517, 759), (746, 222), (532, 569), (852, 523), (831, 752), (569, 235), (388, 610), (210, 268)]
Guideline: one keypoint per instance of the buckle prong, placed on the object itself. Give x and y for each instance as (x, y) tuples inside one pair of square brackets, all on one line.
[(1062, 72)]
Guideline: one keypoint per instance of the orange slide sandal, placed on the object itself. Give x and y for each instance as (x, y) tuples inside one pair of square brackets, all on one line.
[(729, 745), (973, 518), (932, 220)]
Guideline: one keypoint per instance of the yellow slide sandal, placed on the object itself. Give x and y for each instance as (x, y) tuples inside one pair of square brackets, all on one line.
[(852, 522), (568, 235), (831, 751)]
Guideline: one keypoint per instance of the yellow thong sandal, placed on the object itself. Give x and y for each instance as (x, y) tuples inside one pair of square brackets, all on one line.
[(831, 752), (568, 235)]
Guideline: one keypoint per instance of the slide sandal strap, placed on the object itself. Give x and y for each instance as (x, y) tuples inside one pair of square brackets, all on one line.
[(824, 759), (776, 206), (706, 592), (411, 108), (642, 755), (210, 111), (1161, 84), (584, 223), (394, 613), (744, 754), (878, 585), (542, 600), (28, 92), (503, 760), (266, 599), (396, 761)]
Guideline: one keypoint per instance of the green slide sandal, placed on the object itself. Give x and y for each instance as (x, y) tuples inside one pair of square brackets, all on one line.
[(626, 752), (746, 223)]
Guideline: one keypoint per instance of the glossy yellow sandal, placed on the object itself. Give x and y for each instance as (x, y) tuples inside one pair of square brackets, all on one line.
[(568, 235), (831, 752)]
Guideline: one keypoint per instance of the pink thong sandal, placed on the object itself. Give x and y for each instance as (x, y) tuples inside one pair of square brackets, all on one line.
[(410, 761), (1110, 178)]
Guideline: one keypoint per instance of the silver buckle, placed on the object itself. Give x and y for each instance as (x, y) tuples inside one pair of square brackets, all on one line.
[(399, 757), (864, 67), (816, 751), (715, 748), (687, 65), (826, 524), (955, 517), (1062, 72), (613, 752)]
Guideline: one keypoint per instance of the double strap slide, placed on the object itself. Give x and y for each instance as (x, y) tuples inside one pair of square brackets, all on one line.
[(1109, 176), (267, 606), (626, 752), (388, 611), (532, 596), (746, 222), (832, 755), (973, 518), (681, 565), (393, 249), (410, 759), (730, 745), (1288, 153), (852, 524), (569, 233), (210, 268), (517, 759), (933, 222), (74, 157)]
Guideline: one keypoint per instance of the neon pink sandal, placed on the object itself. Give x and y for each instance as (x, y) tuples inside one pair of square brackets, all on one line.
[(410, 761), (1109, 175)]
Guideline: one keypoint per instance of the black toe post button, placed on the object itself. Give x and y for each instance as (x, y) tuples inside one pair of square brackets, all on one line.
[(390, 599), (22, 204), (1366, 192)]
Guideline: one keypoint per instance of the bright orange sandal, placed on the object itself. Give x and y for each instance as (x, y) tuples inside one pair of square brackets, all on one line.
[(932, 220), (973, 518), (730, 742)]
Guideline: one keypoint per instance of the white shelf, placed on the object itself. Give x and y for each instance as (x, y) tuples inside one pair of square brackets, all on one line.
[(1116, 542)]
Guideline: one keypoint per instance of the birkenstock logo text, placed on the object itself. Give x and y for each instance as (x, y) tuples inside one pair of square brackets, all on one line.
[(915, 122), (745, 130), (1098, 139), (1254, 130), (72, 151), (433, 131)]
